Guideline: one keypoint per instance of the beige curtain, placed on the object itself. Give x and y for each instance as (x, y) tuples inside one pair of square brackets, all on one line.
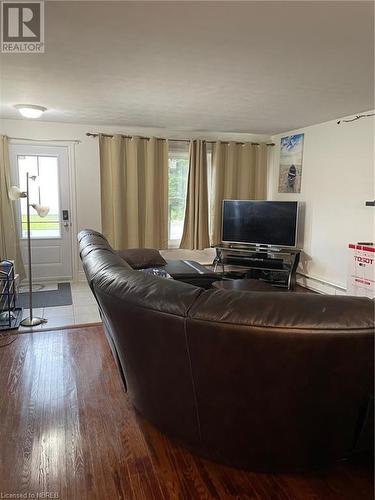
[(134, 191), (239, 172), (195, 234), (9, 239)]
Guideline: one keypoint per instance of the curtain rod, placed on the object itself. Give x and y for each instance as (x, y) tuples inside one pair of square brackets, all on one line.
[(76, 141), (90, 134)]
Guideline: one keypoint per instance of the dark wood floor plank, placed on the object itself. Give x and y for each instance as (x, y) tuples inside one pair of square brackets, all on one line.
[(67, 427)]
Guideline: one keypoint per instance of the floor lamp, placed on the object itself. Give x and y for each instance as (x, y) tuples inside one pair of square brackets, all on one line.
[(15, 194)]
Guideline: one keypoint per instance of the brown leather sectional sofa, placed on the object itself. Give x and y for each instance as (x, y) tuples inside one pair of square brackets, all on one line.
[(266, 381)]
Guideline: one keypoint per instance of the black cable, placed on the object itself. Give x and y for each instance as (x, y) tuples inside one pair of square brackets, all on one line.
[(8, 343), (357, 117)]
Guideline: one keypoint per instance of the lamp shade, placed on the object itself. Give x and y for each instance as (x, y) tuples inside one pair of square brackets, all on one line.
[(15, 193), (41, 210)]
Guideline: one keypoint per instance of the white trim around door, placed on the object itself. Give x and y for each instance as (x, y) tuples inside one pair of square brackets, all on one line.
[(53, 242)]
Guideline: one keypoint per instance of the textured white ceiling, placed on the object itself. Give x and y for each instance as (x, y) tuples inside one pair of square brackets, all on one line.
[(262, 67)]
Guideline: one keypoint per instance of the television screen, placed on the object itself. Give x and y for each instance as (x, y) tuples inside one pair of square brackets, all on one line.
[(260, 222)]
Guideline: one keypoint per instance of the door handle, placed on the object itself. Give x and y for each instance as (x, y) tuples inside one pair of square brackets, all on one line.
[(65, 218)]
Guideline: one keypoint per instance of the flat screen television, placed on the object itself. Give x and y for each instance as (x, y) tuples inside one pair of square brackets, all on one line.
[(271, 223)]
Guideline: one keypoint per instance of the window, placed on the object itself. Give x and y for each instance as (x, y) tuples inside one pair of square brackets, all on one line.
[(178, 168), (44, 191), (178, 171)]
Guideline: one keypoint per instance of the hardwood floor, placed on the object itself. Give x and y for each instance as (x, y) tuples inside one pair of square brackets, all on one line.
[(67, 428)]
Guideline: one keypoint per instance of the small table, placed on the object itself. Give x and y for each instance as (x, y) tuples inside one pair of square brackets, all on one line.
[(253, 285)]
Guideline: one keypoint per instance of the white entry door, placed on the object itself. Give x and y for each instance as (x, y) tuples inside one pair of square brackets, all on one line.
[(51, 245)]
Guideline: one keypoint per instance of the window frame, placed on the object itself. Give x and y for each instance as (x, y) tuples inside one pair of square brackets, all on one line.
[(177, 150), (20, 223)]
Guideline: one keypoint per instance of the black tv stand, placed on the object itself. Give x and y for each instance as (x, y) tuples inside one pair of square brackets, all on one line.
[(275, 265)]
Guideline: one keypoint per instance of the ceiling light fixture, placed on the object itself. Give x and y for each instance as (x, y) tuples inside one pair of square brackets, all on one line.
[(30, 111)]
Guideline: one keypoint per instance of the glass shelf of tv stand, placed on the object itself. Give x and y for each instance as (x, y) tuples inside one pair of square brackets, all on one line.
[(242, 269), (257, 249), (256, 258)]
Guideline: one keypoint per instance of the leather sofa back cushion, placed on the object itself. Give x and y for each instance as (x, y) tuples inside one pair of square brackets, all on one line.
[(285, 310), (141, 258), (134, 289), (97, 259), (91, 237)]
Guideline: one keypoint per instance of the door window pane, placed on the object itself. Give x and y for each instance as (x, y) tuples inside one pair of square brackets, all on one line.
[(44, 191)]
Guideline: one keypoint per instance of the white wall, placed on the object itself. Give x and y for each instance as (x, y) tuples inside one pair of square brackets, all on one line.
[(85, 155), (337, 179)]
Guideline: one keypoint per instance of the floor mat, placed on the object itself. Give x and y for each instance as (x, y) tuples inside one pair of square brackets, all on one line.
[(48, 298)]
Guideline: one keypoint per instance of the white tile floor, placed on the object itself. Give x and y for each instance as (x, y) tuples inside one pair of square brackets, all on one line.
[(84, 310)]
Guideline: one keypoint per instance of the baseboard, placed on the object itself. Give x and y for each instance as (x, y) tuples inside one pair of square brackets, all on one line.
[(54, 328), (81, 276), (44, 281), (319, 285)]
